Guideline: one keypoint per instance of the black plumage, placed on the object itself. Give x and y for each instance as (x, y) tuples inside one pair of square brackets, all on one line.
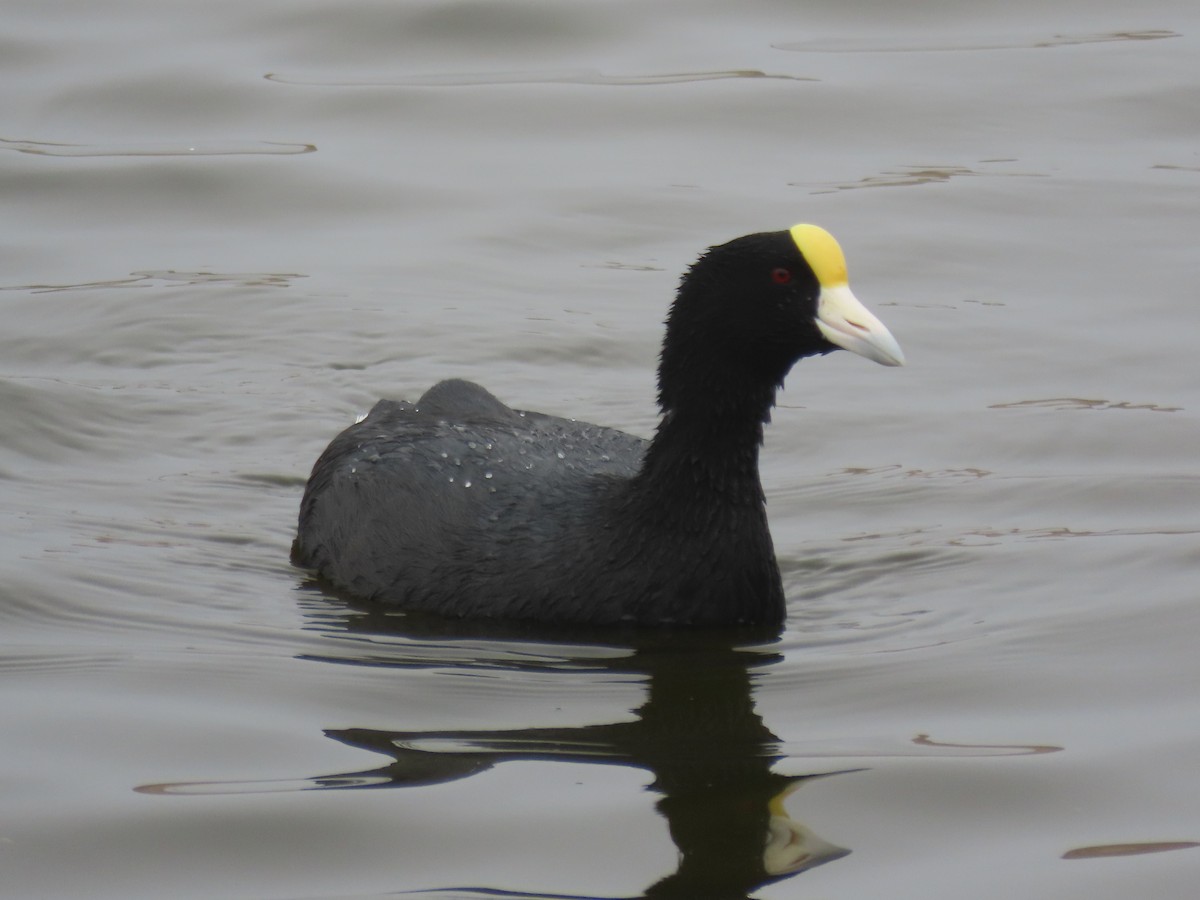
[(459, 505)]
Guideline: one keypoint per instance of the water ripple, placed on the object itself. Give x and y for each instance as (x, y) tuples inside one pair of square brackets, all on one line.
[(1104, 851), (202, 148), (572, 76), (912, 175), (161, 277), (995, 42), (1083, 403)]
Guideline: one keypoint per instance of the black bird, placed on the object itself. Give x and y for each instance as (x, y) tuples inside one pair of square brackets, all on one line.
[(459, 505)]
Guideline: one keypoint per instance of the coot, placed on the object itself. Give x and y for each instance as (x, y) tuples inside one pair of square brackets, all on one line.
[(459, 505)]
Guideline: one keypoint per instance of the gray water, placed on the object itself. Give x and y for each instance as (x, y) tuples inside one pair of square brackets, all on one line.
[(228, 227)]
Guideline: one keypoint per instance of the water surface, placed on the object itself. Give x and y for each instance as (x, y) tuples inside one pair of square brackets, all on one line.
[(228, 228)]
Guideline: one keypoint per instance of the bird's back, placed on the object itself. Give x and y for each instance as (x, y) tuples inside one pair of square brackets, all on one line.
[(459, 504)]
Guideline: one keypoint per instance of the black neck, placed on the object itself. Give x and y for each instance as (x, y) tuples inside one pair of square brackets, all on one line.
[(706, 447)]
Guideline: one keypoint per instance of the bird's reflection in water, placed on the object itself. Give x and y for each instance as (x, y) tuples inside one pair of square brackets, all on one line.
[(697, 733)]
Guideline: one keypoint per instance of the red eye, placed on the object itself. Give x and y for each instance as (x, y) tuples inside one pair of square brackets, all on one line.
[(781, 275)]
